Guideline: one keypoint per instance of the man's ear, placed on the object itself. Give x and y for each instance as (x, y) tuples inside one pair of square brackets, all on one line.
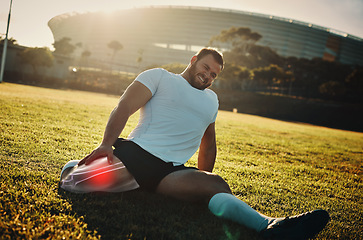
[(193, 60)]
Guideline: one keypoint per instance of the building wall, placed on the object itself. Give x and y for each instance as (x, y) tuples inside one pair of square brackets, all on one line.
[(161, 35)]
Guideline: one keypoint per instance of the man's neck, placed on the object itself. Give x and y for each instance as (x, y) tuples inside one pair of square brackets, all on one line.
[(185, 74)]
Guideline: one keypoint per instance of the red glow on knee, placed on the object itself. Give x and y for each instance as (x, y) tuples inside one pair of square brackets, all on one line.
[(102, 178)]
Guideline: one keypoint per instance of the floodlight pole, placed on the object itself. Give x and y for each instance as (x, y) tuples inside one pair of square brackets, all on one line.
[(3, 59)]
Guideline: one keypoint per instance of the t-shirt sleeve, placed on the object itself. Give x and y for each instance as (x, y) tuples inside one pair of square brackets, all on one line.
[(150, 78), (216, 106)]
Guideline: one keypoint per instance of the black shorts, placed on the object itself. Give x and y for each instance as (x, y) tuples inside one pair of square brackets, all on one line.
[(147, 169)]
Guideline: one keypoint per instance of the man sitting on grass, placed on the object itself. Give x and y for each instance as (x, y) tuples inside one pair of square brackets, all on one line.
[(177, 116)]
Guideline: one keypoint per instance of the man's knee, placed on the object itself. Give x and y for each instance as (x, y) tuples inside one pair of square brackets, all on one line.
[(219, 185)]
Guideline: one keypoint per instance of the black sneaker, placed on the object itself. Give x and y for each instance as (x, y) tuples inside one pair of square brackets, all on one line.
[(298, 227)]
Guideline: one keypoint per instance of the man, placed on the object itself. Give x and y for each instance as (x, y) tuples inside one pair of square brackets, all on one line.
[(177, 116)]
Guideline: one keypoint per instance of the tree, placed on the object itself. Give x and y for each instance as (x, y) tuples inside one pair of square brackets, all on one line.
[(79, 45), (354, 82), (115, 46), (269, 76), (11, 41), (140, 57), (174, 67), (332, 89), (85, 56), (64, 47), (240, 48), (265, 56), (310, 75), (233, 77), (244, 77), (239, 38), (37, 57)]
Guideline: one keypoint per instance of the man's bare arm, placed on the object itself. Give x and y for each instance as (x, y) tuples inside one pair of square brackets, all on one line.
[(208, 149), (135, 96)]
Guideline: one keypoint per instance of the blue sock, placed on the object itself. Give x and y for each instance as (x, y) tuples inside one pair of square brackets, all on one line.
[(227, 206)]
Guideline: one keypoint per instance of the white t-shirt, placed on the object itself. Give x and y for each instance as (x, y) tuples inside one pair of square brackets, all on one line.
[(173, 122)]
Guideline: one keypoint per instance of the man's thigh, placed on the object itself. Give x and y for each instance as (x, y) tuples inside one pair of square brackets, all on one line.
[(192, 185)]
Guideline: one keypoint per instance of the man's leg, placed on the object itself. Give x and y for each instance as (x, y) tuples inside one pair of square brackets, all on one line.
[(98, 176), (194, 185)]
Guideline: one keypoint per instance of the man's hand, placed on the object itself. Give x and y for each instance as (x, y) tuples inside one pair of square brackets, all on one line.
[(101, 151)]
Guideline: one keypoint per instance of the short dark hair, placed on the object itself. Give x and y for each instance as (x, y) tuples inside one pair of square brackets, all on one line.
[(215, 53)]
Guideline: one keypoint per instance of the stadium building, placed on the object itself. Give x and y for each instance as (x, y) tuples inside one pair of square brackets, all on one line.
[(162, 35)]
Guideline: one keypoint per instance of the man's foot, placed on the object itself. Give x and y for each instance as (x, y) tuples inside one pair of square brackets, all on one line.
[(298, 227)]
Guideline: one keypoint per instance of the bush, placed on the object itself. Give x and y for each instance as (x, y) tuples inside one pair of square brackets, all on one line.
[(332, 89)]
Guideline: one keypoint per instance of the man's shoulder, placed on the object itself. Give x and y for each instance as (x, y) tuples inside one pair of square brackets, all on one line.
[(162, 75), (154, 74), (211, 92), (155, 78), (156, 71)]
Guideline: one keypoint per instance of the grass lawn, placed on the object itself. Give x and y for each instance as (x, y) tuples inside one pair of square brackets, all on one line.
[(279, 168)]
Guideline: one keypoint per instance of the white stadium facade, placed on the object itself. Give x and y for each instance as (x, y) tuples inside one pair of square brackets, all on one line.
[(169, 34)]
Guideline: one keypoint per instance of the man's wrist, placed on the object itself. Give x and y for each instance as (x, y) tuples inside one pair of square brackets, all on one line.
[(106, 145)]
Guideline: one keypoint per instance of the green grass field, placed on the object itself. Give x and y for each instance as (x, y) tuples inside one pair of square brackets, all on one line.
[(279, 168)]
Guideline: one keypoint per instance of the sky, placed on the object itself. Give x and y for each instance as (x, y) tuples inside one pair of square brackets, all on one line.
[(29, 18)]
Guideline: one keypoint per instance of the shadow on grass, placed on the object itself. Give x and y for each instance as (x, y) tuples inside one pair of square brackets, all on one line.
[(142, 215)]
